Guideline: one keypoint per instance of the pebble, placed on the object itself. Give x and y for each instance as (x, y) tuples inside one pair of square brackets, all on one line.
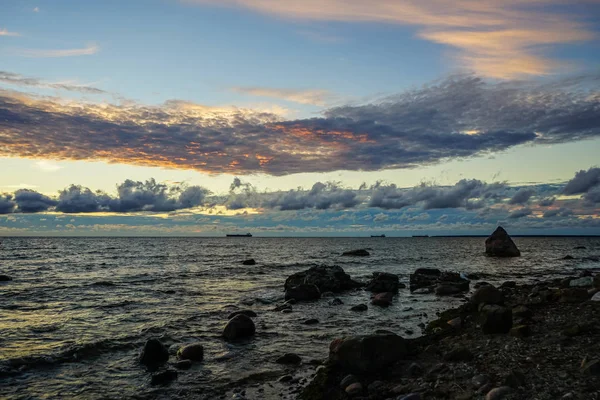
[(479, 380), (311, 321), (498, 393), (354, 389), (347, 381), (285, 378), (360, 307)]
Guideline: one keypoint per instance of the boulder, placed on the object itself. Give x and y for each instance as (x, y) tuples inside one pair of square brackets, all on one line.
[(487, 294), (154, 352), (312, 321), (591, 367), (250, 261), (573, 295), (383, 299), (446, 283), (194, 352), (248, 313), (367, 354), (499, 244), (183, 364), (423, 278), (498, 393), (289, 358), (451, 288), (336, 302), (359, 307), (303, 292), (5, 278), (239, 327), (326, 278), (496, 319), (357, 253), (347, 381), (586, 281), (383, 282)]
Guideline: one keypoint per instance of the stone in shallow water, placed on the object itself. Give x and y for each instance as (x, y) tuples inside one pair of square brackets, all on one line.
[(194, 352), (154, 352), (311, 321), (164, 377), (383, 299), (289, 358), (582, 282), (239, 327), (367, 354), (499, 244), (383, 282), (250, 261), (303, 292), (326, 278), (357, 253), (487, 294), (359, 307), (5, 278)]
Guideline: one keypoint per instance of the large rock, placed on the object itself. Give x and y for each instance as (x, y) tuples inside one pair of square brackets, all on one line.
[(303, 292), (496, 319), (487, 294), (326, 278), (249, 261), (356, 253), (239, 327), (383, 282), (193, 351), (154, 352), (383, 299), (5, 278), (443, 283), (424, 277), (367, 354), (499, 244)]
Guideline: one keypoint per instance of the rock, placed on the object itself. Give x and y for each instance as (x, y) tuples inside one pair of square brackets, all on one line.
[(522, 312), (455, 322), (357, 253), (327, 294), (347, 381), (359, 307), (367, 354), (5, 278), (459, 354), (423, 278), (250, 261), (586, 281), (597, 281), (509, 284), (336, 302), (568, 257), (412, 396), (487, 294), (326, 278), (591, 368), (285, 378), (164, 377), (498, 393), (284, 306), (499, 244), (383, 282), (289, 358), (303, 292), (415, 370), (354, 389), (311, 321), (194, 352), (248, 313), (515, 379), (375, 388), (579, 248), (239, 327), (521, 331), (383, 299), (448, 289), (480, 284), (496, 319), (573, 295), (596, 297), (183, 364), (154, 352), (286, 310)]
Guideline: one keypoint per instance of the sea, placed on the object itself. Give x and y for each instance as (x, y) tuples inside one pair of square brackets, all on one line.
[(78, 310)]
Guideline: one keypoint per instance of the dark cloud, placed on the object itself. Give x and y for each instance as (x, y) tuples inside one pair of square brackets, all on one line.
[(77, 199), (7, 204), (522, 196), (583, 181), (520, 213), (546, 202), (30, 201), (558, 212), (467, 193), (20, 80), (461, 116)]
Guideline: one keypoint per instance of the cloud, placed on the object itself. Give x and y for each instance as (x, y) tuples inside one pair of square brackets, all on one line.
[(520, 213), (583, 181), (20, 80), (500, 39), (7, 204), (36, 9), (557, 212), (321, 196), (317, 97), (522, 196), (77, 199), (462, 116), (47, 166), (30, 201), (5, 32), (53, 53)]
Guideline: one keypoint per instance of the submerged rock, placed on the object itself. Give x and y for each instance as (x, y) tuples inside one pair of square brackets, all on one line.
[(303, 292), (154, 352), (359, 307), (5, 278), (250, 261), (248, 313), (239, 327), (289, 358), (499, 244), (194, 352), (357, 253), (383, 282), (326, 278), (367, 354), (164, 377), (312, 321), (336, 302)]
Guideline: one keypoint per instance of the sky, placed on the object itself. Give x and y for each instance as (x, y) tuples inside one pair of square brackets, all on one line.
[(304, 118)]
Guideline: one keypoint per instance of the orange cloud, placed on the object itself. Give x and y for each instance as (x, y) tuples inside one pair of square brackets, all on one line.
[(499, 39)]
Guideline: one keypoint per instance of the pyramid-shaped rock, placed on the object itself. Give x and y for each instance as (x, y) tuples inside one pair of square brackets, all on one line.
[(499, 244)]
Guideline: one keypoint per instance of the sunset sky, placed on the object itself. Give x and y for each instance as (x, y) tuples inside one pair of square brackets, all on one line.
[(301, 118)]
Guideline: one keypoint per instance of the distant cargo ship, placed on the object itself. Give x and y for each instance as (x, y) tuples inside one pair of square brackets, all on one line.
[(377, 235), (246, 235), (420, 236)]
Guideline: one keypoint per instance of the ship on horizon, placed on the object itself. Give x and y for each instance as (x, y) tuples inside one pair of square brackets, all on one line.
[(420, 236), (382, 235), (239, 235)]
